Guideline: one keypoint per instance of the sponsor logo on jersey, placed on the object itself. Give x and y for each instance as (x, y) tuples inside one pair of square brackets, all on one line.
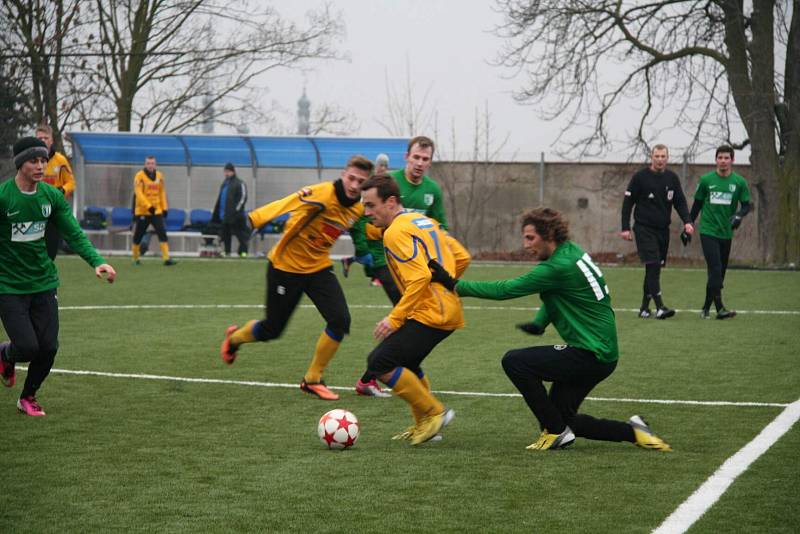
[(46, 210), (28, 231), (428, 199), (423, 222), (11, 213), (306, 191), (721, 197)]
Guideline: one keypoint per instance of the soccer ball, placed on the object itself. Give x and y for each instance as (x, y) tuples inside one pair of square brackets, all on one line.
[(338, 429)]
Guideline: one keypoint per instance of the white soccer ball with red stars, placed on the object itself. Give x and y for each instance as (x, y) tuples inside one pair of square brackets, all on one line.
[(338, 429)]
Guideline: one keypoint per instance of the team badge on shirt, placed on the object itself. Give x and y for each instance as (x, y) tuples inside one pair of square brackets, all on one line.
[(428, 199), (46, 210), (670, 192)]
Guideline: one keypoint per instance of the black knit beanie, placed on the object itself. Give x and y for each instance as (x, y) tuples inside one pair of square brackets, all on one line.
[(27, 149)]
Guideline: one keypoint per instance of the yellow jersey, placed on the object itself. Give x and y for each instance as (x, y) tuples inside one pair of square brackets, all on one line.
[(410, 242), (58, 173), (149, 193), (318, 219)]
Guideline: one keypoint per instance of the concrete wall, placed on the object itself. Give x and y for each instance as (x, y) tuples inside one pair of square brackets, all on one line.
[(484, 202)]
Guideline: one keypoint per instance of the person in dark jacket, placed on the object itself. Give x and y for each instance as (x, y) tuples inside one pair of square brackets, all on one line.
[(229, 211)]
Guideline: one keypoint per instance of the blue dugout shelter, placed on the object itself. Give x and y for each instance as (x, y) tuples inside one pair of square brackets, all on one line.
[(105, 163)]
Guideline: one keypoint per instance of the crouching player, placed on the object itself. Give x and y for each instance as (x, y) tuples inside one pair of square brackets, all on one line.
[(575, 300), (426, 314), (300, 263)]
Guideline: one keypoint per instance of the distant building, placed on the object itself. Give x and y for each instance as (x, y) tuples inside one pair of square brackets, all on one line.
[(303, 114)]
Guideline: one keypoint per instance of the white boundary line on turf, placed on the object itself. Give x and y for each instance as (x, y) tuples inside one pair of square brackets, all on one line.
[(441, 392), (712, 489), (365, 306)]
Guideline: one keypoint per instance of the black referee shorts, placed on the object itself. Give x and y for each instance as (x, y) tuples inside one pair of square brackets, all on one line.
[(407, 347), (652, 244)]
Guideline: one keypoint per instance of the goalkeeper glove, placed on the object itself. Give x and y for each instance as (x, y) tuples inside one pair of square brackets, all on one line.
[(440, 274), (686, 238), (531, 328), (736, 221)]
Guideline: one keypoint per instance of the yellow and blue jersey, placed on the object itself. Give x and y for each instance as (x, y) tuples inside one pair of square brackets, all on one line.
[(317, 221), (410, 242)]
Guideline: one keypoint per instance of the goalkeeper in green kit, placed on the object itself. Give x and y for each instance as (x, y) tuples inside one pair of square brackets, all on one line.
[(28, 277), (575, 301)]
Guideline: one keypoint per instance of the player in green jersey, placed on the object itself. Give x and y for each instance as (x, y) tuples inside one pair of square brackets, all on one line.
[(575, 300), (419, 193), (718, 196), (28, 277)]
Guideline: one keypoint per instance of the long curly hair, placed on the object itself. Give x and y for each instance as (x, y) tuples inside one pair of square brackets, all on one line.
[(549, 224)]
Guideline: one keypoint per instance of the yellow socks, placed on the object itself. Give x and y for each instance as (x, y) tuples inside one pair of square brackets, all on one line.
[(244, 334), (164, 251), (136, 252), (412, 390), (323, 354)]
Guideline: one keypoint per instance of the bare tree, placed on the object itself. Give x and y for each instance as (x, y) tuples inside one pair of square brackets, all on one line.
[(35, 36), (408, 114), (469, 186), (712, 61), (165, 65)]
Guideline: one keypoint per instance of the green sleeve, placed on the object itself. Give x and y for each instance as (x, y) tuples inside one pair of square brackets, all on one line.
[(542, 317), (436, 210), (540, 278), (359, 236), (71, 232), (701, 193), (745, 196)]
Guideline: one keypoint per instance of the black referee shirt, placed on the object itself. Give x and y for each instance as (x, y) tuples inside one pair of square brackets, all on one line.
[(654, 195)]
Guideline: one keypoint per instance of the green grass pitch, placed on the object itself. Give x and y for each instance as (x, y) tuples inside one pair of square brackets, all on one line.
[(136, 454)]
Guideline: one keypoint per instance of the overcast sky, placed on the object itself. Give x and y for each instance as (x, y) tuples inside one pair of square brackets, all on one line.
[(448, 46)]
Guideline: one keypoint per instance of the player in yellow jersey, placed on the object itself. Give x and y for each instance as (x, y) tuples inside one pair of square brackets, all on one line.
[(427, 312), (150, 208), (300, 263), (58, 173)]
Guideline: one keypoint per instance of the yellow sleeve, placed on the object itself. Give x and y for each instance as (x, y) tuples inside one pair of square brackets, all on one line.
[(67, 178), (163, 198), (373, 233), (261, 216), (138, 190), (412, 268), (460, 254)]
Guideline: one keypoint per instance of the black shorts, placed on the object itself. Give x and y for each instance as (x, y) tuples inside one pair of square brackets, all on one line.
[(407, 347), (652, 244)]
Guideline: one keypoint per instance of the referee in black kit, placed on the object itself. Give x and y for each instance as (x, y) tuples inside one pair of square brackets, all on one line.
[(654, 190)]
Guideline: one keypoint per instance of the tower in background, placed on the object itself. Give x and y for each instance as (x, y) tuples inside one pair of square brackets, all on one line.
[(303, 114)]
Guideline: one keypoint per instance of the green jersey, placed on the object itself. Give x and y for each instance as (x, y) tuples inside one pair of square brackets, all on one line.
[(574, 298), (721, 197), (26, 267), (425, 197)]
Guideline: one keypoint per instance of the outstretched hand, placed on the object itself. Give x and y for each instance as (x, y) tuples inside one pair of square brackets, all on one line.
[(107, 270)]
